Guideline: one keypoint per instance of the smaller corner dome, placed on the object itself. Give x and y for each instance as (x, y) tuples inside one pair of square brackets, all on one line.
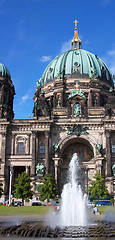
[(4, 71)]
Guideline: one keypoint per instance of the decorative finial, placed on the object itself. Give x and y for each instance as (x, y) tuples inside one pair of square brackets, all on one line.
[(76, 84), (75, 23), (76, 42)]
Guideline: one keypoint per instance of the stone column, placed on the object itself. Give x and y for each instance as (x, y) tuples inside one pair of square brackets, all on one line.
[(54, 100), (28, 144), (33, 154), (98, 99), (86, 179), (37, 144), (108, 153), (99, 164), (56, 170), (13, 180), (13, 144), (62, 99), (90, 99), (72, 109), (56, 166), (3, 152), (7, 179), (47, 151), (27, 170)]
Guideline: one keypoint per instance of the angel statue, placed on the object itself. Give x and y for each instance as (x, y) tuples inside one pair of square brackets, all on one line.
[(40, 169)]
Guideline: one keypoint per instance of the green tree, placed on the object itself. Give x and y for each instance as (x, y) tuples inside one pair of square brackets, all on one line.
[(1, 190), (48, 188), (98, 189), (112, 200), (23, 187)]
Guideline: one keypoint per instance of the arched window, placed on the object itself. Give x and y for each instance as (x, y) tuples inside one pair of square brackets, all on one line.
[(20, 148), (20, 144), (42, 149), (113, 148)]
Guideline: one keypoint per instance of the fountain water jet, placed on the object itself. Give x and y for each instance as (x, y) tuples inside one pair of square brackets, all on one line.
[(73, 206), (72, 214)]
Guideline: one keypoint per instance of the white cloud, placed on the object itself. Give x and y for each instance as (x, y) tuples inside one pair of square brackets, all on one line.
[(45, 58), (25, 98), (109, 59), (112, 69), (105, 2), (65, 46), (20, 31), (112, 52), (86, 42)]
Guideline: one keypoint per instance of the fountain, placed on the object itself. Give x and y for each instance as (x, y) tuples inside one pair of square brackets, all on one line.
[(71, 220), (73, 207)]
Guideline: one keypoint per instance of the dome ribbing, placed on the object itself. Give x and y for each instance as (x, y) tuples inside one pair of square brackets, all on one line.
[(76, 63)]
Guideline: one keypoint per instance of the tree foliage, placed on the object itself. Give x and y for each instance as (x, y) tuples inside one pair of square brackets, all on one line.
[(23, 187), (1, 190), (98, 189), (48, 188)]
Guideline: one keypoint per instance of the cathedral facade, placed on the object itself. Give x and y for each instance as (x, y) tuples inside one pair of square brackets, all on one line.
[(74, 112)]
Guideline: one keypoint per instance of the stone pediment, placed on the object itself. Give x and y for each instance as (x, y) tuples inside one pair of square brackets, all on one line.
[(76, 98), (77, 93)]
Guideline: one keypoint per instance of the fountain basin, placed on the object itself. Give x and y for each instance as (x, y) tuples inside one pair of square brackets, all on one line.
[(35, 229)]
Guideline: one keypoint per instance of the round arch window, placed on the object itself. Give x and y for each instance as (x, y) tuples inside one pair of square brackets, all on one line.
[(83, 151)]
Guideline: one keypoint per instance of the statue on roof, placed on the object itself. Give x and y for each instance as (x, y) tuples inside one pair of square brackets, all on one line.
[(77, 110), (40, 170), (113, 168), (38, 83)]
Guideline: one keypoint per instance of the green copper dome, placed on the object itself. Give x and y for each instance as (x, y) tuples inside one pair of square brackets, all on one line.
[(76, 63), (4, 71)]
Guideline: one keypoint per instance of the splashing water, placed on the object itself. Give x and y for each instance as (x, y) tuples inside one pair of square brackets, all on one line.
[(73, 209)]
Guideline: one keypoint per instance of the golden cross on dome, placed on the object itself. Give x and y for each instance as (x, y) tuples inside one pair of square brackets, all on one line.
[(75, 23)]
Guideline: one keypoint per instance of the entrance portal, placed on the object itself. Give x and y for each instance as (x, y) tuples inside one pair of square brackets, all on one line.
[(17, 170), (84, 153)]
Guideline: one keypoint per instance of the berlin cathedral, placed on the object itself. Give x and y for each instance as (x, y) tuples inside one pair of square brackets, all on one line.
[(73, 112)]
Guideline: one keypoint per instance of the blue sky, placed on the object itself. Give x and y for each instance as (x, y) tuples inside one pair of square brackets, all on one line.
[(33, 32)]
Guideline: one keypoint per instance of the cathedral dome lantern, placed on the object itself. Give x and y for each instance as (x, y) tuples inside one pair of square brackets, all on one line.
[(76, 42)]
